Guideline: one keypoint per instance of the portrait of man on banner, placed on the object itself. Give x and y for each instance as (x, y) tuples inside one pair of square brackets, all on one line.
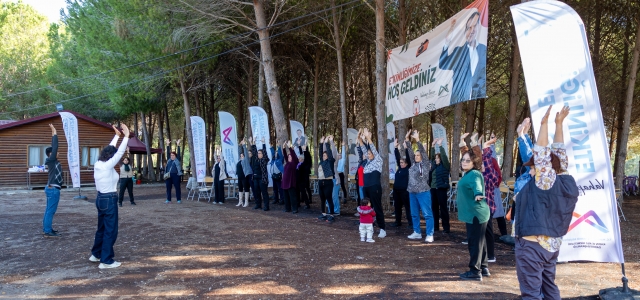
[(468, 61)]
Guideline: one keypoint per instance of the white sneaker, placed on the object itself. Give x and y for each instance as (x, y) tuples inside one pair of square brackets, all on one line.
[(492, 260), (94, 259), (362, 239), (115, 264), (382, 233), (370, 241), (429, 239), (415, 236), (356, 215)]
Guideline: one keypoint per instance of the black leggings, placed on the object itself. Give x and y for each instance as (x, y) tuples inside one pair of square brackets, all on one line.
[(345, 195), (325, 187), (374, 193), (243, 184), (401, 198), (439, 208), (125, 183), (291, 199)]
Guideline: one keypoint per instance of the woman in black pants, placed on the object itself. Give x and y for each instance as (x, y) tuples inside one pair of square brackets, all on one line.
[(372, 172), (126, 181), (290, 193), (439, 186), (260, 175), (219, 175), (303, 171), (326, 175), (401, 182), (244, 172)]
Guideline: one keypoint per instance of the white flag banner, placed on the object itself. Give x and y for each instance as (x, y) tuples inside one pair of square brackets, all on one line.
[(391, 139), (198, 130), (229, 138), (352, 136), (70, 124), (445, 66), (439, 132), (297, 135), (260, 129), (558, 71)]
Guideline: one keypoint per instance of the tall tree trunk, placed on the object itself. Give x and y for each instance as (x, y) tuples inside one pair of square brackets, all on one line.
[(136, 130), (481, 116), (370, 85), (343, 96), (196, 96), (624, 123), (514, 98), (316, 75), (270, 75), (161, 156), (402, 24), (471, 116), (147, 142), (260, 84), (455, 147), (187, 127), (381, 85), (619, 110), (166, 115), (250, 77)]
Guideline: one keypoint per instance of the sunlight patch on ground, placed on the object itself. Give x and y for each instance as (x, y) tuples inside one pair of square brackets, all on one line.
[(263, 246), (352, 289), (215, 272), (259, 288), (200, 258), (168, 293), (351, 267), (397, 272)]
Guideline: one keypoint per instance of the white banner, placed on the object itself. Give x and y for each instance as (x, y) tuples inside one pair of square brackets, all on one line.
[(445, 66), (352, 136), (391, 138), (439, 132), (260, 129), (70, 124), (297, 135), (558, 71), (229, 141), (198, 130)]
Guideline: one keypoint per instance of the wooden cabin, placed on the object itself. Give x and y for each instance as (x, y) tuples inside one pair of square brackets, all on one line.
[(23, 144)]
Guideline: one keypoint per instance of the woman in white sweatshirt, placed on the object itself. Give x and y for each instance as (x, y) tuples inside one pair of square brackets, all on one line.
[(106, 179)]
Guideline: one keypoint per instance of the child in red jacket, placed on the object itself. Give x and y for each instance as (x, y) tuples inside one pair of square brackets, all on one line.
[(367, 216)]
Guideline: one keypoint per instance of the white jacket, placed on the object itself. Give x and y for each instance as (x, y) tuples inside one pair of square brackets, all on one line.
[(104, 174), (223, 170)]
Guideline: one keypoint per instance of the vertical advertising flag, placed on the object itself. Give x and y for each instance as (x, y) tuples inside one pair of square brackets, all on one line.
[(229, 141), (198, 130), (352, 136), (558, 71), (260, 129), (297, 135), (391, 138), (445, 66), (439, 132), (70, 124)]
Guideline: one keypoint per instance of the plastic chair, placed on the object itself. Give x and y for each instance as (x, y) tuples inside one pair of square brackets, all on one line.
[(506, 200), (629, 185), (192, 187), (205, 189), (452, 204)]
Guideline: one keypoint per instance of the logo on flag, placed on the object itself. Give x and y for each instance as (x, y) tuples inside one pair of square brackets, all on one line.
[(585, 218), (226, 133)]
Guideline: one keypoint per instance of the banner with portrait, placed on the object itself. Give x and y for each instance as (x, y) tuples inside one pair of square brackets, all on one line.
[(558, 71), (391, 139), (297, 135), (198, 130), (352, 136), (445, 66), (439, 132), (229, 142), (260, 129), (70, 125)]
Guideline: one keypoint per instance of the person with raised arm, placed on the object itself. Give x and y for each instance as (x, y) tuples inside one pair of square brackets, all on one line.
[(418, 188), (54, 184), (219, 172), (401, 182), (290, 193), (371, 173), (244, 172), (439, 185), (275, 172), (325, 177), (544, 212), (260, 175), (303, 172), (106, 179)]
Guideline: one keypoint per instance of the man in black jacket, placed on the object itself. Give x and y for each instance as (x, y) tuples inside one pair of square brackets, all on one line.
[(303, 171), (54, 184)]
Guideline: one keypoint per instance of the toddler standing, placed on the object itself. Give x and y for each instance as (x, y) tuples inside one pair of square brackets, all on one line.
[(367, 215)]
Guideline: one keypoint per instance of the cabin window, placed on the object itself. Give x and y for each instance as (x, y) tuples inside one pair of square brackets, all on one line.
[(90, 156), (37, 154)]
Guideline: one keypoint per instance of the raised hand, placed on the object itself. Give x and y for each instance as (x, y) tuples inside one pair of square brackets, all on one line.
[(322, 140), (395, 143), (406, 136), (262, 140), (490, 142), (54, 131), (178, 141), (118, 133), (167, 142), (545, 119), (415, 135), (453, 26), (243, 142), (463, 136), (125, 130), (433, 144), (563, 113)]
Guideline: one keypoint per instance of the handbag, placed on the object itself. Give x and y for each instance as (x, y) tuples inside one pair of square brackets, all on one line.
[(275, 176), (166, 176)]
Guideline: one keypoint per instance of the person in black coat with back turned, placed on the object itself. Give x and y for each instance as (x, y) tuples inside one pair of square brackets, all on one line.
[(303, 171), (401, 181)]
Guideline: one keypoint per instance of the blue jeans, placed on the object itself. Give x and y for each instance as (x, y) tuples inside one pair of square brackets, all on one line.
[(175, 182), (53, 197), (421, 202), (361, 191), (107, 233), (335, 195)]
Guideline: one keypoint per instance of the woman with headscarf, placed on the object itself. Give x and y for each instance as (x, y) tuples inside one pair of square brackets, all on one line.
[(106, 179), (219, 175), (303, 171), (290, 193)]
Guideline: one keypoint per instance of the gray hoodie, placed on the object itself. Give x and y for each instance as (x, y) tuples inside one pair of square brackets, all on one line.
[(419, 172)]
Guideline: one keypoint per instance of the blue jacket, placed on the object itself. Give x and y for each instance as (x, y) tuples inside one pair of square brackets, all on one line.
[(465, 86), (278, 159)]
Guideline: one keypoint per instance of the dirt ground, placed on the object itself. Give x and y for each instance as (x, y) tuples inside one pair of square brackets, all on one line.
[(197, 250)]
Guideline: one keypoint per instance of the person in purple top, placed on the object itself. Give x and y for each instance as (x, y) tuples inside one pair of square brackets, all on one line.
[(289, 179)]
